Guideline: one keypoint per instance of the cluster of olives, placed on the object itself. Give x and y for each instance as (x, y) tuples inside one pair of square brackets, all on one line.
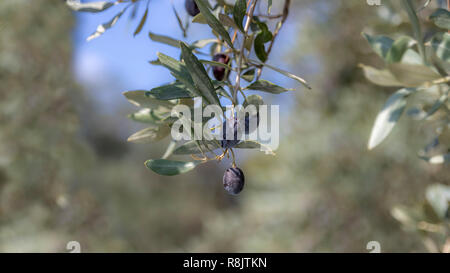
[(233, 179)]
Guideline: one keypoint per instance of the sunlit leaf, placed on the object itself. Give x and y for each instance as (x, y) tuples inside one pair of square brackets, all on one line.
[(150, 134), (413, 75), (146, 115), (438, 196), (104, 27), (380, 77), (90, 6), (388, 116)]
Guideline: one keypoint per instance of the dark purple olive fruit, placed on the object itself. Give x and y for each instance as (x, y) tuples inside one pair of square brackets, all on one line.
[(233, 180), (219, 72), (230, 134), (191, 7)]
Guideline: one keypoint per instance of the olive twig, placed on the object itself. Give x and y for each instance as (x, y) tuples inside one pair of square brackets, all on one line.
[(241, 54), (284, 16)]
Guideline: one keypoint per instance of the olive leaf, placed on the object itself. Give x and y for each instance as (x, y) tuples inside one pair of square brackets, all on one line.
[(90, 7), (266, 86), (150, 134), (239, 10), (410, 9), (380, 44), (441, 18), (142, 98), (171, 91), (147, 115), (441, 45), (438, 196), (285, 73), (413, 75), (388, 116), (164, 39), (199, 19), (380, 77), (105, 26), (212, 21), (227, 21), (437, 105), (199, 75), (142, 22), (263, 37), (192, 147), (255, 100), (249, 75), (170, 167), (398, 49), (179, 71)]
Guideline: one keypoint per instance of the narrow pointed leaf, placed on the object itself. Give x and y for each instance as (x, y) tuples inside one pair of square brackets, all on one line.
[(170, 167), (199, 75), (285, 73), (212, 21), (413, 75), (89, 7), (266, 86), (240, 8), (145, 99), (171, 91), (141, 23), (150, 134), (380, 77)]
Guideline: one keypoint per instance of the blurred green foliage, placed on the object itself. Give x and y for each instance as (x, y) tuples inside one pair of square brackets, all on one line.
[(62, 178)]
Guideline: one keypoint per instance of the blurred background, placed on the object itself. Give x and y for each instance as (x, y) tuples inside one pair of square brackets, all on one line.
[(68, 174)]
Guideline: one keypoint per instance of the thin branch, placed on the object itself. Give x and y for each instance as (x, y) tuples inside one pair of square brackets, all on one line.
[(241, 53), (284, 16)]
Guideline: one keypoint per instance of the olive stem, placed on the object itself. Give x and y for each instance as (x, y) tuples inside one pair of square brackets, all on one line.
[(234, 158), (241, 53), (284, 16)]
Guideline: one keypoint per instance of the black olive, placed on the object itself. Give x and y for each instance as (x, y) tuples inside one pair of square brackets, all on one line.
[(233, 180), (219, 72), (191, 7)]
